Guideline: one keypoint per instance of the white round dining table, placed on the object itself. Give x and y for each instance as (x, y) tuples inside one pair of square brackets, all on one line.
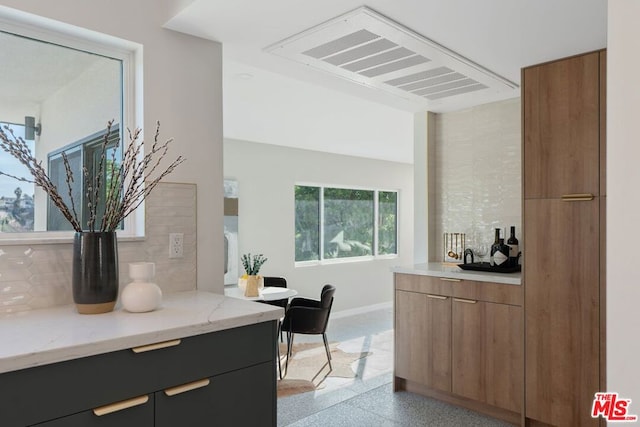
[(268, 293)]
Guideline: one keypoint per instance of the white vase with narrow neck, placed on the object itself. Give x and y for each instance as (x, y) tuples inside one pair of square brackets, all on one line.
[(141, 295)]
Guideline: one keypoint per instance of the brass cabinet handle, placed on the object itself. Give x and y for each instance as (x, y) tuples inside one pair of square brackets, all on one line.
[(449, 279), (186, 387), (577, 197), (436, 296), (119, 406), (467, 301), (156, 346)]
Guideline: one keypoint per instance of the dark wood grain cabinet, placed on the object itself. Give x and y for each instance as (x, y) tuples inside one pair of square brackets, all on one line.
[(564, 206), (194, 381)]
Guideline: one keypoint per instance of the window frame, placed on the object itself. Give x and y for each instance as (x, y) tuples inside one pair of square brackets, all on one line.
[(130, 54), (375, 255)]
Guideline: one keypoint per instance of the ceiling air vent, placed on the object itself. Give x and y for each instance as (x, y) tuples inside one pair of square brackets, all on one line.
[(368, 48)]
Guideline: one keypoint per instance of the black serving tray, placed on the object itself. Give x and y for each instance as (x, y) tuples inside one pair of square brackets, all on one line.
[(485, 266)]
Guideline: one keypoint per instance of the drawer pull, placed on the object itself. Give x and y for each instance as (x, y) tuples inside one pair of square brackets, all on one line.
[(467, 301), (156, 346), (186, 387), (449, 279), (436, 296), (578, 197), (119, 406)]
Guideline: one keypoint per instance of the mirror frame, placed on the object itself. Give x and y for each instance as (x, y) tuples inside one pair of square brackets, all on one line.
[(130, 53)]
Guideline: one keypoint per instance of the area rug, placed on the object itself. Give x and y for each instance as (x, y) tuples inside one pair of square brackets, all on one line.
[(308, 367)]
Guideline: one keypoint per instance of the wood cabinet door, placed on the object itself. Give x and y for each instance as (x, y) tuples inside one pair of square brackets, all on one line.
[(487, 352), (561, 127), (423, 339), (562, 310)]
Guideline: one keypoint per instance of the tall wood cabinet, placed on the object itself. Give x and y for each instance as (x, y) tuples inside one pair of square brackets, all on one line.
[(563, 178)]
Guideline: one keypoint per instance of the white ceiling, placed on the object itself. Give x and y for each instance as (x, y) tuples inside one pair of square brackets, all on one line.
[(38, 69), (500, 35)]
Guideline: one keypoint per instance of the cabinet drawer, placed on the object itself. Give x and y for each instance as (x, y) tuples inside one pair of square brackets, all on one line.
[(51, 391), (422, 284), (459, 288), (137, 415), (240, 398)]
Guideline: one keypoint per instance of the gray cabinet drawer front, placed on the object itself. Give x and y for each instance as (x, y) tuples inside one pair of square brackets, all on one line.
[(52, 391), (138, 416), (240, 398)]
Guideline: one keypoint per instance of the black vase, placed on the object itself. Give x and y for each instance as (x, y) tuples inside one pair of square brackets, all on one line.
[(95, 271)]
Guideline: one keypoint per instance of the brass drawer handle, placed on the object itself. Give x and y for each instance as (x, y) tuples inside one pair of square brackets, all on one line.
[(119, 406), (449, 279), (578, 197), (156, 346), (186, 387), (467, 301), (436, 296)]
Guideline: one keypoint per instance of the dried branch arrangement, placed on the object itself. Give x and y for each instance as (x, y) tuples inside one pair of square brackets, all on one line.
[(124, 186)]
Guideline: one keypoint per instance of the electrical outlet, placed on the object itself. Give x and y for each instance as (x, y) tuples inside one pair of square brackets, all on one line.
[(176, 245)]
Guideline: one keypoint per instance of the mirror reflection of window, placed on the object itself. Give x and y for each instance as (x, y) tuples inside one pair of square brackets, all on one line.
[(65, 97), (16, 197), (81, 155)]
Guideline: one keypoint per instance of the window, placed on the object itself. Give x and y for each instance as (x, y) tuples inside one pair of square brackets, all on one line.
[(345, 223), (81, 155), (387, 222)]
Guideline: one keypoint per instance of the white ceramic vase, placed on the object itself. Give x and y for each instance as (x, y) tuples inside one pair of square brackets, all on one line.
[(141, 295)]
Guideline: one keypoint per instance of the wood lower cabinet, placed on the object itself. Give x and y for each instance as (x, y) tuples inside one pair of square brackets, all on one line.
[(223, 378), (423, 339), (460, 341), (487, 353)]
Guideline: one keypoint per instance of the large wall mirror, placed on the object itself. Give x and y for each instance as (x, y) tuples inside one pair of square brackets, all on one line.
[(57, 98)]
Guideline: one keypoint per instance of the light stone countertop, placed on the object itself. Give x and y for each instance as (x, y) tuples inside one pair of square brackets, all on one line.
[(438, 269), (41, 337)]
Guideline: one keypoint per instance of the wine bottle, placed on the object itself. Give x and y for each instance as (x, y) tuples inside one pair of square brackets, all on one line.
[(501, 255), (495, 247), (514, 249)]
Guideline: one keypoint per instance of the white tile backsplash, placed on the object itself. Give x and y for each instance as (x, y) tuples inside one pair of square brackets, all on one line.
[(477, 173), (39, 276)]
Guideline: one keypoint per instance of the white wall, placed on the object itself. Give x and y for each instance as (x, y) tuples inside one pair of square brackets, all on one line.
[(478, 174), (623, 200), (266, 176), (182, 89), (280, 110)]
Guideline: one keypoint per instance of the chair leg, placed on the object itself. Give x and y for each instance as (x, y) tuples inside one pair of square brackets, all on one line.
[(279, 362), (326, 347), (289, 348)]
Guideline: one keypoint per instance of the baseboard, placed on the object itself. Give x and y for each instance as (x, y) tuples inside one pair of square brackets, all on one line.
[(361, 310)]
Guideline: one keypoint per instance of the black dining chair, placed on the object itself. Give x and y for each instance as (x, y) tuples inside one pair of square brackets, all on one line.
[(278, 282), (308, 316)]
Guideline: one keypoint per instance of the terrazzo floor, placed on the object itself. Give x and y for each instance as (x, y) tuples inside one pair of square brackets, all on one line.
[(369, 400)]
